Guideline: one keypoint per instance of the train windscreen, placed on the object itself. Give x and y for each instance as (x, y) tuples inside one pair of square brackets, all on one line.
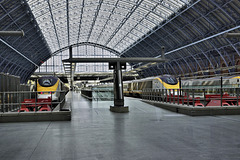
[(47, 81), (169, 80)]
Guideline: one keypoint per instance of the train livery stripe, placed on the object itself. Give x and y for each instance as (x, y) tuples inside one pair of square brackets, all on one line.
[(169, 86), (236, 77), (47, 89)]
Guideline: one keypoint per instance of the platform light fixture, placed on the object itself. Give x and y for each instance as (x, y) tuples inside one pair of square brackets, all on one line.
[(12, 33), (232, 35)]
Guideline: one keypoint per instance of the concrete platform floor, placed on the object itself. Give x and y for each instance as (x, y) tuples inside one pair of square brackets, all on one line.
[(145, 133)]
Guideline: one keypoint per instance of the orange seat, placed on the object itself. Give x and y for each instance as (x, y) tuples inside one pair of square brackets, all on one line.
[(24, 110), (198, 104), (217, 103), (45, 108)]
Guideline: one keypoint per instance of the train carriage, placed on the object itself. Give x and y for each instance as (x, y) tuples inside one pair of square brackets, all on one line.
[(134, 88), (213, 85)]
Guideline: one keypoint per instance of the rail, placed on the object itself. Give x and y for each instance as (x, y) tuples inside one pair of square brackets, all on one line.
[(28, 101), (194, 97)]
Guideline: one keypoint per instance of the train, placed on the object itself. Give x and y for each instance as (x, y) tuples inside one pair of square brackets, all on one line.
[(214, 85), (50, 87), (217, 91), (214, 82), (171, 85), (210, 85), (135, 88)]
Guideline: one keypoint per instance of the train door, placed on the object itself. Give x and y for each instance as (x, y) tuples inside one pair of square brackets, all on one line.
[(140, 86), (130, 88)]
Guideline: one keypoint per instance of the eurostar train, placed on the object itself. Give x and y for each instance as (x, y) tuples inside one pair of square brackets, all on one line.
[(213, 85), (134, 88), (50, 87), (215, 82)]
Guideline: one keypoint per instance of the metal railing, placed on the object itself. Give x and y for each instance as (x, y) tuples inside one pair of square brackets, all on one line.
[(29, 101), (194, 97)]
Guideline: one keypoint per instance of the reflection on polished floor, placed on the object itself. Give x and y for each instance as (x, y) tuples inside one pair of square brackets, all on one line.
[(146, 132)]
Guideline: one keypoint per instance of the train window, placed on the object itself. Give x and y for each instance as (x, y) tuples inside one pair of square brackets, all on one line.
[(169, 80), (47, 81)]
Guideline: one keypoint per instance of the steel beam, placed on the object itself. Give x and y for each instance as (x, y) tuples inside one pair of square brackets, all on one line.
[(18, 52), (124, 21), (54, 25), (94, 19), (80, 22), (204, 39), (132, 59), (155, 29), (103, 28), (89, 44), (68, 28), (118, 88)]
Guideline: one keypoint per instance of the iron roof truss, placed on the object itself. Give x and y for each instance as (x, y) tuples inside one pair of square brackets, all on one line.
[(191, 31)]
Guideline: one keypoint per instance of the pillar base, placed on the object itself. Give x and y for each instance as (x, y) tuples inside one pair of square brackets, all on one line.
[(119, 109)]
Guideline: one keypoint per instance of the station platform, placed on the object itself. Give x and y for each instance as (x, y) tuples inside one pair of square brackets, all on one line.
[(145, 133)]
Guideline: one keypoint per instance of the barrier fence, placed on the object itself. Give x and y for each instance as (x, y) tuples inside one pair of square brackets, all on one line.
[(195, 97), (27, 101)]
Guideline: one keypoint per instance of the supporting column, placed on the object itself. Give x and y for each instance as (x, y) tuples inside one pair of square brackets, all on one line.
[(118, 88), (71, 70), (117, 64)]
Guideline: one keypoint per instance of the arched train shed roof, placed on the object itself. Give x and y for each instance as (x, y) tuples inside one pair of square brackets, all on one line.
[(191, 32)]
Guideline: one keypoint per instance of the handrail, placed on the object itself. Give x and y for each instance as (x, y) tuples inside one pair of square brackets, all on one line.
[(14, 101), (194, 97)]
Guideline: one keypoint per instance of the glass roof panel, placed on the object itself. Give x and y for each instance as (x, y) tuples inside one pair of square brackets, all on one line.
[(54, 64), (113, 23)]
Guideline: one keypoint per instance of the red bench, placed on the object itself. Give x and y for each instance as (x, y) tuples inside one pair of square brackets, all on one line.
[(31, 104)]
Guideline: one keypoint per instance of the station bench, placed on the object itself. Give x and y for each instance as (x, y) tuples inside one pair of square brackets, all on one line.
[(41, 105)]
